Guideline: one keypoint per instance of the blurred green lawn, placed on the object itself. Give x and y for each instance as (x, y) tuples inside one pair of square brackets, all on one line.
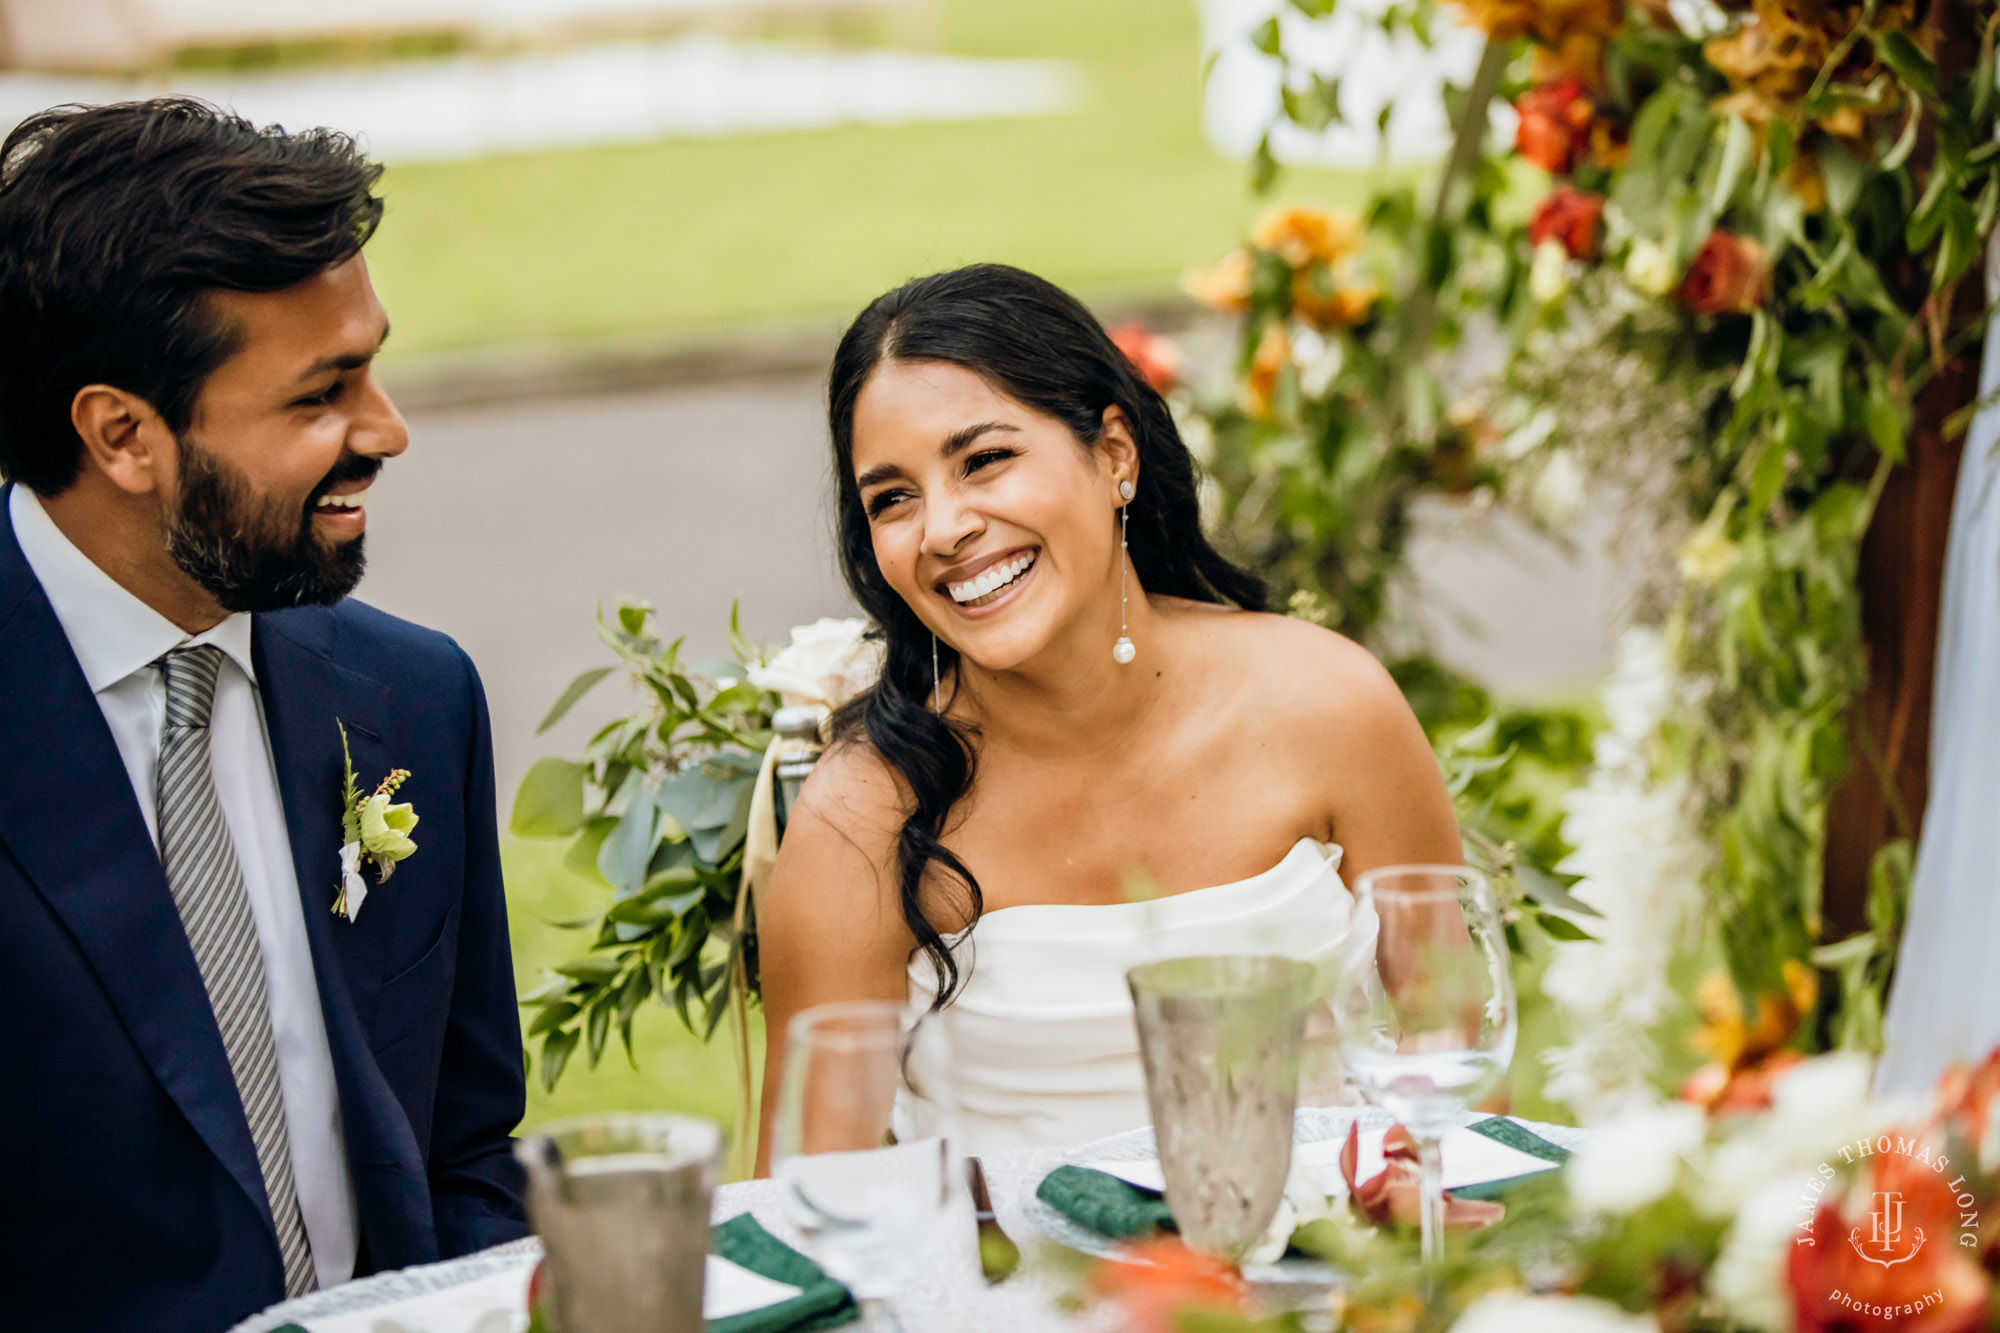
[(1115, 199)]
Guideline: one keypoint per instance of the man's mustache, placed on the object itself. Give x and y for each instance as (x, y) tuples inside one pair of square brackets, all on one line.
[(350, 469)]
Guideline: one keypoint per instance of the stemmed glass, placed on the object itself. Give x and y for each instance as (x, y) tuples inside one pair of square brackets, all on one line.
[(1426, 1013), (871, 1214)]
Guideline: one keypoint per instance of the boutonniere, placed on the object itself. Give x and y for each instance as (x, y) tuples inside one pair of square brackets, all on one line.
[(372, 830)]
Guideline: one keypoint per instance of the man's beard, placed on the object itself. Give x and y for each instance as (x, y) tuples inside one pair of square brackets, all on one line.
[(258, 555)]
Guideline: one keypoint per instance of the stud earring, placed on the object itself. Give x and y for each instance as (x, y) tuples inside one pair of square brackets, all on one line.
[(937, 690), (1122, 652)]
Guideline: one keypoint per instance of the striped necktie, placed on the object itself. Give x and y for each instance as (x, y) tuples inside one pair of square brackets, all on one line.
[(207, 884)]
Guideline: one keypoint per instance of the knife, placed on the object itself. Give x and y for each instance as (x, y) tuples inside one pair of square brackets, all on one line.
[(999, 1256)]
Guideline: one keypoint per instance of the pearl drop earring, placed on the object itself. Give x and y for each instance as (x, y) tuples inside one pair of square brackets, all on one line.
[(1122, 652)]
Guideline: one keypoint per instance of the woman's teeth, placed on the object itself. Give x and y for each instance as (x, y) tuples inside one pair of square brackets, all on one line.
[(353, 501), (990, 582)]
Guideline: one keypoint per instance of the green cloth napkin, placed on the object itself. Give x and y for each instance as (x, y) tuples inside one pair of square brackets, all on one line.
[(1502, 1130), (1103, 1203), (1113, 1208), (821, 1302)]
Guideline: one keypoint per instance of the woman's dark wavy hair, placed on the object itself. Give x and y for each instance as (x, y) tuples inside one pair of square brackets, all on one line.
[(1038, 345)]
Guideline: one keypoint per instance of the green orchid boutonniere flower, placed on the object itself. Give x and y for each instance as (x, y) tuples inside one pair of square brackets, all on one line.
[(374, 831)]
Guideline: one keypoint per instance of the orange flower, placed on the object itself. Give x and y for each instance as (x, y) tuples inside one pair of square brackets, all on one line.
[(1260, 385), (1547, 21), (1225, 286), (1304, 236), (1160, 1279), (1154, 357), (1554, 127), (1889, 1259), (1731, 276), (1569, 217), (1319, 297)]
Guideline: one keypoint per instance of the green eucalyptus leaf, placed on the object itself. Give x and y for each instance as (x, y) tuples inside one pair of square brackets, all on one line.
[(556, 1048), (581, 858), (553, 1016), (1269, 37), (1561, 929), (1917, 71), (1737, 145), (549, 803), (576, 690), (1887, 419), (593, 968), (597, 1027)]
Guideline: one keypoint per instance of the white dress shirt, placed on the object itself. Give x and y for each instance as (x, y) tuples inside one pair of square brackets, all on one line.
[(117, 638)]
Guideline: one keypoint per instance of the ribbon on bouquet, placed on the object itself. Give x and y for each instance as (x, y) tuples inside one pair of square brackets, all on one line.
[(760, 857)]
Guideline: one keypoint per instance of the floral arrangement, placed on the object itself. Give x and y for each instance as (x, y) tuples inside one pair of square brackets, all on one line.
[(663, 810), (1812, 1209), (1723, 257)]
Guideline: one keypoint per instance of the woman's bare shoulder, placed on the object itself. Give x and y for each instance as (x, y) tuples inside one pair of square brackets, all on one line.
[(1312, 674)]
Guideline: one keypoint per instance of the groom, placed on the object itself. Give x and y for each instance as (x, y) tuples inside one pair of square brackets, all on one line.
[(218, 1092)]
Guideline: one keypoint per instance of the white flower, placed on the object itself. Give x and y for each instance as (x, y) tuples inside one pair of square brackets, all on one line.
[(1548, 275), (1304, 1202), (1817, 1108), (1634, 1158), (827, 662), (1518, 1312), (351, 880), (1558, 493), (1748, 1279), (1650, 268)]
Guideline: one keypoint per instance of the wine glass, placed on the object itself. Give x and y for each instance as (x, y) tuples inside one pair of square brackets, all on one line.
[(1426, 1013), (872, 1206)]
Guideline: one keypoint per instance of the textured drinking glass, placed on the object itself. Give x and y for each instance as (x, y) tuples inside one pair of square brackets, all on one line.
[(1219, 1039), (871, 1212), (1427, 1015), (621, 1205)]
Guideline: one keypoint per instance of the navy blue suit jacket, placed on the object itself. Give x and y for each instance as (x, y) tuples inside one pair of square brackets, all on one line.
[(130, 1197)]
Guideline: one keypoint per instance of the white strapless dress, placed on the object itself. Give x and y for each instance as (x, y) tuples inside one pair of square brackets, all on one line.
[(1041, 1032)]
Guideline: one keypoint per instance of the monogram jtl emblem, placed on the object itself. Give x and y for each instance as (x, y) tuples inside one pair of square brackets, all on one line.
[(1885, 1233)]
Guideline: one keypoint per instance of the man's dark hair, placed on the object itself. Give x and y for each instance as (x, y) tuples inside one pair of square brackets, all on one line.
[(116, 220)]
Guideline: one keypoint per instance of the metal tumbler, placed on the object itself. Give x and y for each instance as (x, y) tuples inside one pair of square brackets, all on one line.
[(621, 1204)]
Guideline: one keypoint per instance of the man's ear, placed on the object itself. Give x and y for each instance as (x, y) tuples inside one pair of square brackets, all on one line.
[(1119, 449), (123, 437)]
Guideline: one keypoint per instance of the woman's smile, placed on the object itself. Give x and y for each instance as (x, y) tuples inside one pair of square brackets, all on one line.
[(989, 584)]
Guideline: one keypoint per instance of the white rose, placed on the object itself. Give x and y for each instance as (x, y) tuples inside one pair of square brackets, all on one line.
[(1650, 268), (1634, 1158), (1749, 1275), (1558, 492), (1304, 1201), (1548, 276), (827, 662), (1518, 1312)]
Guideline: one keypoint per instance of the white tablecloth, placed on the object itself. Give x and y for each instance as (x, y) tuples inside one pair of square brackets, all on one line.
[(948, 1295)]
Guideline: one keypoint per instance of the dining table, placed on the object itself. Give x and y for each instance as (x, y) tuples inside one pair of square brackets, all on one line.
[(486, 1292)]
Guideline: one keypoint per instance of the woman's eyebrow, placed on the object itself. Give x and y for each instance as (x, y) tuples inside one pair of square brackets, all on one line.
[(955, 443)]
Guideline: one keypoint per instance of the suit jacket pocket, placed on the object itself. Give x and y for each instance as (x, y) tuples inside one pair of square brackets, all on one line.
[(415, 999)]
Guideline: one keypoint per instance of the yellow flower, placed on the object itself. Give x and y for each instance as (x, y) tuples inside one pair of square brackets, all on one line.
[(1732, 1040), (1650, 268), (1708, 556), (385, 828), (1225, 286), (1305, 236), (1320, 298)]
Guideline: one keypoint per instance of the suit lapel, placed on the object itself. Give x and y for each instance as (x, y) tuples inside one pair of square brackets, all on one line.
[(305, 694), (70, 817)]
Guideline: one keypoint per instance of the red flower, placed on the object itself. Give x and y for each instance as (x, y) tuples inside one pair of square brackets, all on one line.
[(1394, 1194), (1554, 128), (1891, 1259), (1154, 357), (1731, 276), (1569, 217)]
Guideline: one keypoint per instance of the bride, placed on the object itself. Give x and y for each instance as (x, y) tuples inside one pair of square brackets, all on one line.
[(1090, 745)]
